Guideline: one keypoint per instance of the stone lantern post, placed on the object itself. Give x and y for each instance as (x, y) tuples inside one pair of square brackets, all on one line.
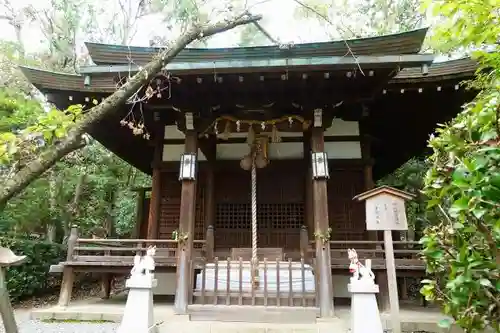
[(7, 259)]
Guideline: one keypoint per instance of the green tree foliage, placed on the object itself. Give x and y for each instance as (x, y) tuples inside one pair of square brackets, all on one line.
[(30, 278), (462, 247), (28, 126), (353, 19), (410, 178)]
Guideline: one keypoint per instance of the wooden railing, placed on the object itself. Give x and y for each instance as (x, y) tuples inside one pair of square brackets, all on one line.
[(121, 252), (281, 283), (405, 252)]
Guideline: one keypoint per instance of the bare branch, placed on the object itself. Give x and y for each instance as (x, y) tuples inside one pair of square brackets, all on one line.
[(112, 104), (326, 19)]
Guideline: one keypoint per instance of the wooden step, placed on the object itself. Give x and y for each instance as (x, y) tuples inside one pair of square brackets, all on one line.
[(254, 314)]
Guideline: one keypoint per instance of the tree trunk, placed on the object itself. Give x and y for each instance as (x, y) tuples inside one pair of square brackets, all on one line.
[(109, 222), (111, 104), (72, 211), (51, 226)]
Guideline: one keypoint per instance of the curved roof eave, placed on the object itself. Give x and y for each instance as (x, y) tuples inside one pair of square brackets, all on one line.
[(402, 43), (104, 82)]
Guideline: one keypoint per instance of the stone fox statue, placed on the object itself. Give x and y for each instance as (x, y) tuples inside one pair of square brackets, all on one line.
[(144, 265), (359, 270)]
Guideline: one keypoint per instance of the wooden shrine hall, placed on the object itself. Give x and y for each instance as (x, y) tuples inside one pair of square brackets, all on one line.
[(256, 154)]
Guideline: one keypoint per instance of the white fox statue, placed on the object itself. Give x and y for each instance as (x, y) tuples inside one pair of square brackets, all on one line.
[(359, 271), (144, 265)]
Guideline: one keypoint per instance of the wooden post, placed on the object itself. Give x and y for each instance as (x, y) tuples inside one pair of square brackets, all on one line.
[(68, 273), (304, 244), (186, 227), (380, 275), (308, 195), (209, 244), (210, 196), (155, 199), (321, 225), (385, 211), (392, 281)]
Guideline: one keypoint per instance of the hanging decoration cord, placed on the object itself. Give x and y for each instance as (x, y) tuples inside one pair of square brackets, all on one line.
[(229, 119)]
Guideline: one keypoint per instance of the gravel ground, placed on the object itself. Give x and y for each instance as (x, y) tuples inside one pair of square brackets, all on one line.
[(26, 325)]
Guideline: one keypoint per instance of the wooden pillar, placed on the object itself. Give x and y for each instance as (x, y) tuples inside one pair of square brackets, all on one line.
[(68, 273), (155, 199), (209, 211), (380, 275), (308, 195), (186, 227), (304, 244), (209, 196), (209, 244), (321, 225)]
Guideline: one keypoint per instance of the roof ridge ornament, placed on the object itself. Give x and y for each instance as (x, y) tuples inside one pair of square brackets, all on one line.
[(286, 46)]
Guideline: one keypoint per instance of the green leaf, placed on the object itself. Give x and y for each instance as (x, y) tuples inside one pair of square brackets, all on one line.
[(479, 212), (460, 177)]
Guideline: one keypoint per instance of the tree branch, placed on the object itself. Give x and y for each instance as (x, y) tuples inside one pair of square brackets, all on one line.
[(112, 104), (326, 19)]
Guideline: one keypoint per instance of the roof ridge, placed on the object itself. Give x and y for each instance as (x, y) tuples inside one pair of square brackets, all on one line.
[(386, 36), (409, 42)]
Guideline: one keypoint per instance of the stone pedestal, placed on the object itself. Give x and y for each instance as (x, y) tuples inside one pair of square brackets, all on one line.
[(365, 317), (138, 316)]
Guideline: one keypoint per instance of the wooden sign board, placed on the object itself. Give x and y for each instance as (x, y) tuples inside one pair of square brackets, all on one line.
[(385, 208)]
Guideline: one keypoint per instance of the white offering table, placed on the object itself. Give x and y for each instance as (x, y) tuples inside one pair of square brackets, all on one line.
[(272, 274)]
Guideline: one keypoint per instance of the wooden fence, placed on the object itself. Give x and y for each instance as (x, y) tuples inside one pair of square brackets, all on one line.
[(280, 283)]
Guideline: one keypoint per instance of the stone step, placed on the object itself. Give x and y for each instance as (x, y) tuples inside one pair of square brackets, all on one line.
[(254, 314)]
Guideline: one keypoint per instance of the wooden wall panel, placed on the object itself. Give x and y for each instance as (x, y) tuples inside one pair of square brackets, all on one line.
[(346, 216), (171, 202)]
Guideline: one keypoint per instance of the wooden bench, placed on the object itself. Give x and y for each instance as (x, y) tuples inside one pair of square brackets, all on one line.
[(270, 253)]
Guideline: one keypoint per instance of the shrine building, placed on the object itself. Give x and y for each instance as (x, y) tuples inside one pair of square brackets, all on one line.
[(275, 142)]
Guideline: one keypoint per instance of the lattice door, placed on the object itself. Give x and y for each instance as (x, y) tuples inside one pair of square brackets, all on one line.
[(280, 207)]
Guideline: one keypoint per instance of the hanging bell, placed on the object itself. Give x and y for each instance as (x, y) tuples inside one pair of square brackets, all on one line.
[(246, 162), (261, 161)]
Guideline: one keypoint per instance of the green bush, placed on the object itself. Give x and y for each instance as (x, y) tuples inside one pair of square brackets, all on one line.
[(32, 277)]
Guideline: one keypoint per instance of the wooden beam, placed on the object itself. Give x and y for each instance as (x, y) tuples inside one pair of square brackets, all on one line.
[(186, 228), (321, 225), (155, 199), (208, 147)]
